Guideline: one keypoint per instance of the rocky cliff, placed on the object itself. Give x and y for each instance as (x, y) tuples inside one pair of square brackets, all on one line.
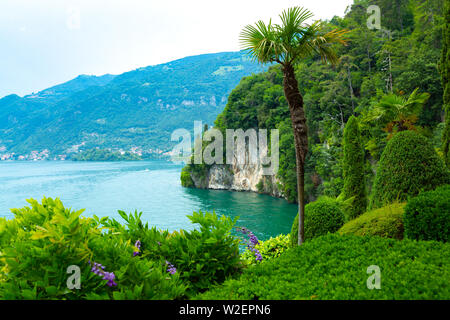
[(237, 177)]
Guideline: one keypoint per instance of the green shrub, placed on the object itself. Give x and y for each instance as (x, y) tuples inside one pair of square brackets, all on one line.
[(43, 240), (39, 245), (268, 249), (202, 257), (335, 267), (137, 278), (408, 165), (427, 216), (321, 217), (260, 186), (353, 169), (208, 256), (384, 222), (186, 180)]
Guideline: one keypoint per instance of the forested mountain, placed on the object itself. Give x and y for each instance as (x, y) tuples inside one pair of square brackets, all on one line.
[(137, 109), (388, 78)]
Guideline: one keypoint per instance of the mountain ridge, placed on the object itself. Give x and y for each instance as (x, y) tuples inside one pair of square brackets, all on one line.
[(136, 109)]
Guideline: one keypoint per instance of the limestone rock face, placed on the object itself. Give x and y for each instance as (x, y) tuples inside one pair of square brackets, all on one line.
[(238, 177)]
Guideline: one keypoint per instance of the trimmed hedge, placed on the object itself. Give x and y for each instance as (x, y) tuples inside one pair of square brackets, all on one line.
[(427, 216), (335, 267), (409, 164), (353, 169), (384, 222), (321, 217)]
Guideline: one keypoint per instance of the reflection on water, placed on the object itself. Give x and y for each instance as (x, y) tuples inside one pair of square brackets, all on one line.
[(152, 187)]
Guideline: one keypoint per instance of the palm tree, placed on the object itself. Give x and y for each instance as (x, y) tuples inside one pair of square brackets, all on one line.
[(286, 44), (397, 112)]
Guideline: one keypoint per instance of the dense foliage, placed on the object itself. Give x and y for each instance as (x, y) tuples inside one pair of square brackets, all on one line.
[(445, 73), (335, 267), (321, 216), (186, 180), (39, 245), (384, 222), (353, 169), (427, 216), (269, 249), (378, 68), (408, 165)]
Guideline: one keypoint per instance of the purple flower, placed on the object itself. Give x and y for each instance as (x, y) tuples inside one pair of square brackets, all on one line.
[(253, 239), (258, 255), (98, 269), (137, 247), (170, 268), (110, 277), (251, 242)]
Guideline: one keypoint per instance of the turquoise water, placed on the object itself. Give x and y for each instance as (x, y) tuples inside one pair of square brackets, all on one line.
[(152, 187)]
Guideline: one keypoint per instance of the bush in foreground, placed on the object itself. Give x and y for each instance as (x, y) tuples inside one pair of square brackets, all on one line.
[(269, 249), (427, 216), (321, 217), (42, 241), (384, 222), (409, 164), (335, 267), (116, 261)]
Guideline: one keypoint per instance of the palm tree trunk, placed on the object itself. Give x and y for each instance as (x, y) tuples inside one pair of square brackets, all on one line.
[(298, 119)]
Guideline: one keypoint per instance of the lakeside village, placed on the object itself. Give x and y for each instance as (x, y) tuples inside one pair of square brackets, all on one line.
[(47, 155)]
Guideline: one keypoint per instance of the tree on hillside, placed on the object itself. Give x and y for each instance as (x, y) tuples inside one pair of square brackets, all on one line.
[(397, 112), (353, 169), (286, 44), (445, 72), (347, 64)]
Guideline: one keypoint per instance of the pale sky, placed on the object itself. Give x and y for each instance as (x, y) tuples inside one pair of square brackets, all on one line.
[(46, 42)]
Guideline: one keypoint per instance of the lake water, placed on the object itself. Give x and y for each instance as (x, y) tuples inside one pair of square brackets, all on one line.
[(152, 187)]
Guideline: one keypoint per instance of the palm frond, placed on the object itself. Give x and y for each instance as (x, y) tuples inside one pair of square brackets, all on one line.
[(323, 43), (294, 17), (293, 24), (291, 40), (415, 102), (261, 42), (393, 107)]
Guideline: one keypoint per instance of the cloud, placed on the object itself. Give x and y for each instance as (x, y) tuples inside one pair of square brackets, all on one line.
[(73, 21)]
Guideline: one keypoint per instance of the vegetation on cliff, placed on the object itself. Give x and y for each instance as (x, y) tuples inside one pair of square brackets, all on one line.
[(360, 85), (288, 44)]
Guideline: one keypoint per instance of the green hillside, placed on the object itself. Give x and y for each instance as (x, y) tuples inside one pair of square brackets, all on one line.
[(139, 108), (375, 69)]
